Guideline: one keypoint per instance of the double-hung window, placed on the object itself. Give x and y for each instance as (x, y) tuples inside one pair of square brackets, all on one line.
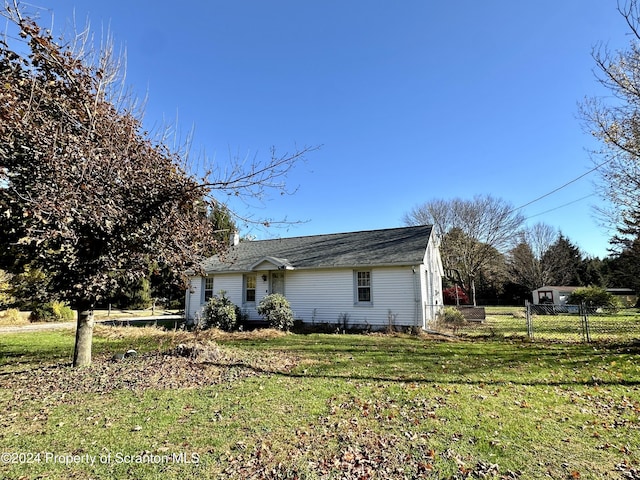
[(208, 288), (362, 292), (250, 288)]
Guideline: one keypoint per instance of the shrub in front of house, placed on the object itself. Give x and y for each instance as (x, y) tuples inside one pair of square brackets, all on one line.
[(220, 312), (275, 309), (51, 312), (596, 297)]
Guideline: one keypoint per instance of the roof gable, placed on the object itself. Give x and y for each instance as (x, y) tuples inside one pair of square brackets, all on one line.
[(394, 246), (271, 263)]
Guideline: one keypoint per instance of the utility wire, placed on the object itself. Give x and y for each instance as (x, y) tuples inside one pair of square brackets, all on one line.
[(561, 206), (561, 187)]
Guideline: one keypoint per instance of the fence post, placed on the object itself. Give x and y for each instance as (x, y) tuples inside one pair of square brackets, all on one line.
[(527, 307), (584, 317)]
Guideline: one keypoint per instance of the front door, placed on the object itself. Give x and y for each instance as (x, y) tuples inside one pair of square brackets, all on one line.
[(277, 282)]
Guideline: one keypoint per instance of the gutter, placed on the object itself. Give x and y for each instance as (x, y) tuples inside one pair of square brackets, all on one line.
[(416, 300)]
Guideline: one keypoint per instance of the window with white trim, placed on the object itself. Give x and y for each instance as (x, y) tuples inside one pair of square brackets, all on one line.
[(208, 288), (545, 296), (250, 288), (362, 280)]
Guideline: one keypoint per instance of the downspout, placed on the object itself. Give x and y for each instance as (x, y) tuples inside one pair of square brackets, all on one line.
[(187, 303), (416, 298)]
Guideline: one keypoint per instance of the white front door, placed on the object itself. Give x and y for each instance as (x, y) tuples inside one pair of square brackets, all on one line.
[(277, 282)]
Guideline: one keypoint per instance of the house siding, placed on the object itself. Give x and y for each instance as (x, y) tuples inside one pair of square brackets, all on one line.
[(432, 271), (323, 296), (194, 295), (402, 294), (319, 296), (229, 283), (392, 295)]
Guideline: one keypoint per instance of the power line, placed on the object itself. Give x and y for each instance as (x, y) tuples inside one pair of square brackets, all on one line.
[(561, 187), (561, 206)]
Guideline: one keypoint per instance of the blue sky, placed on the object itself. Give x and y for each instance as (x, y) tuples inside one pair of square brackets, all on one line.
[(411, 100)]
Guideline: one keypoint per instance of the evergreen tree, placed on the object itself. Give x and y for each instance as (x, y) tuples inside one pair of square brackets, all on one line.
[(622, 270), (563, 260)]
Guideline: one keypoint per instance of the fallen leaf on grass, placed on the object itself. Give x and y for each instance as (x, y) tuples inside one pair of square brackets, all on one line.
[(156, 370)]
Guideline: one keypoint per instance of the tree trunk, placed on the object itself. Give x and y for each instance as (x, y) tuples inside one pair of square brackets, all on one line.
[(84, 336), (473, 291)]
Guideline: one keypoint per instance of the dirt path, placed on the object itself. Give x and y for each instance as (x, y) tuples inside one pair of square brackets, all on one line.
[(36, 327)]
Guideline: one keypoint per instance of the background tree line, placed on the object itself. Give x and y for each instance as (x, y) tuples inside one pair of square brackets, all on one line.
[(491, 257)]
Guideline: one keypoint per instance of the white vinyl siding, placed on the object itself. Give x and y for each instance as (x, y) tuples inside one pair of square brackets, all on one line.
[(431, 272), (322, 296), (194, 295), (230, 283)]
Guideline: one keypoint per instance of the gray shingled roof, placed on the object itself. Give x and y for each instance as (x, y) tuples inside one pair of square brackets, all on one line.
[(393, 246)]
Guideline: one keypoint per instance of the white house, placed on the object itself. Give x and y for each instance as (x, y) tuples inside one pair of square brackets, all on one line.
[(370, 278), (557, 295)]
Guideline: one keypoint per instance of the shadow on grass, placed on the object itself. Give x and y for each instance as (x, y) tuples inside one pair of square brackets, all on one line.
[(396, 359), (480, 362)]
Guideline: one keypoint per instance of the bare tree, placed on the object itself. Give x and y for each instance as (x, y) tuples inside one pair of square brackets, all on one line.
[(472, 232), (84, 190), (615, 121)]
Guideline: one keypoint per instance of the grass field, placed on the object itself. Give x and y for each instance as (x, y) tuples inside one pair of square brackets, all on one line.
[(270, 405)]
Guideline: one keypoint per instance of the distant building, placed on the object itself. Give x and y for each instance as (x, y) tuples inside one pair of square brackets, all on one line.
[(559, 295)]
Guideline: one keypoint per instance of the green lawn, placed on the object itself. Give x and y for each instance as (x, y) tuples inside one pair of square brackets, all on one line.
[(318, 406)]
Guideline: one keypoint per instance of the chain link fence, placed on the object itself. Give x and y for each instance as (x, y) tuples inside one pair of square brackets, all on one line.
[(563, 323)]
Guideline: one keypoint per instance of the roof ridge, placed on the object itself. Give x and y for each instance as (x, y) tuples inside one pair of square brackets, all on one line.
[(344, 233)]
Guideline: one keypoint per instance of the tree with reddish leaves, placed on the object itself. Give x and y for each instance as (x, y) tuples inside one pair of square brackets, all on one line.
[(85, 192), (454, 296)]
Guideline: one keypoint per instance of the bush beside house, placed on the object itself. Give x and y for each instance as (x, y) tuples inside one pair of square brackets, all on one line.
[(275, 309), (220, 312)]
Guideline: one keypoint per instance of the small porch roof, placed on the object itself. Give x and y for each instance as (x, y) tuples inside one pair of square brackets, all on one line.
[(268, 263)]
